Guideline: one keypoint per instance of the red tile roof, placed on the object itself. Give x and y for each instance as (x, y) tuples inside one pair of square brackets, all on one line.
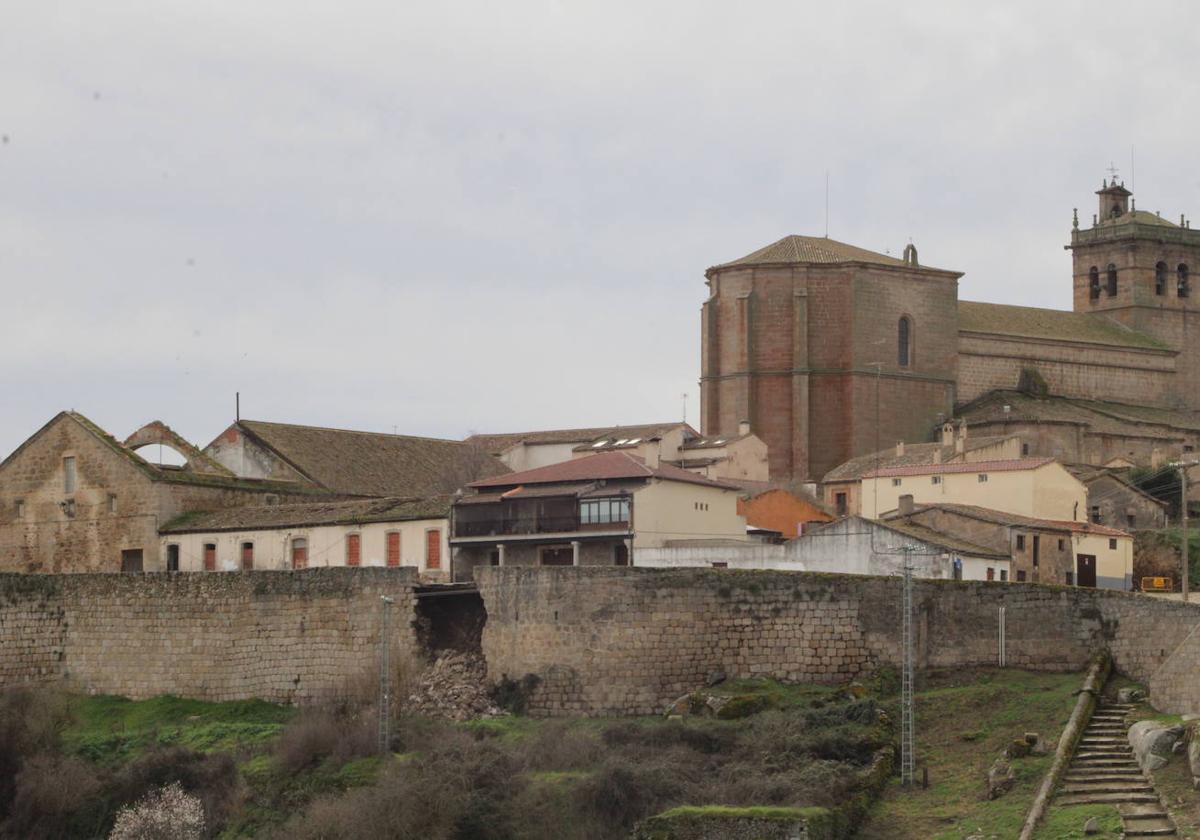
[(977, 467), (605, 465)]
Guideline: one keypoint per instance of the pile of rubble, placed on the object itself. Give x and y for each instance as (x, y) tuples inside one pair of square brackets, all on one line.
[(455, 686)]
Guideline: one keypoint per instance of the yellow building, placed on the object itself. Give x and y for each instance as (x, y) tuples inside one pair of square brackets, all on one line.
[(1036, 487)]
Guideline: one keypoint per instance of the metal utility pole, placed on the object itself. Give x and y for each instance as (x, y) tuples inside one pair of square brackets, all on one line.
[(1183, 522), (1183, 490), (908, 757), (385, 676)]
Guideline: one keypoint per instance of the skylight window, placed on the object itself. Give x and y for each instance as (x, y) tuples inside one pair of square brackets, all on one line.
[(634, 440), (598, 444)]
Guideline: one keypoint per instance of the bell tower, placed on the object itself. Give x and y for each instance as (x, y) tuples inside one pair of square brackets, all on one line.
[(1135, 267)]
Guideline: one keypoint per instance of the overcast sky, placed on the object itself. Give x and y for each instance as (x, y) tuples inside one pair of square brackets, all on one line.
[(454, 217)]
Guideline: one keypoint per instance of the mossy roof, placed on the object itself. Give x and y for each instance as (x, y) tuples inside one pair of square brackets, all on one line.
[(309, 514), (1051, 325)]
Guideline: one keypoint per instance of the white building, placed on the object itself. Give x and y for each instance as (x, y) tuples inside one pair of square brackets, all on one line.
[(370, 532), (851, 545)]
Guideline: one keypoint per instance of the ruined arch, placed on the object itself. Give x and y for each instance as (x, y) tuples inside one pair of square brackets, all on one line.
[(158, 432)]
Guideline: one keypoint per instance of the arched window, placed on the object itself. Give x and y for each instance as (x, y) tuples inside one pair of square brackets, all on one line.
[(1112, 280), (1160, 278), (904, 341), (1182, 271), (1094, 283)]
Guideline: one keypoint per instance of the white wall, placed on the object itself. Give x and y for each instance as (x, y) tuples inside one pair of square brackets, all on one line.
[(525, 457), (326, 545), (850, 546)]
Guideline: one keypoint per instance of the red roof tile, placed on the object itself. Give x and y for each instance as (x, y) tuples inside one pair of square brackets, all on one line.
[(605, 465)]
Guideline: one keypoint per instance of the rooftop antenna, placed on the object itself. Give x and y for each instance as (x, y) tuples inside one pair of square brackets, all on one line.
[(237, 406), (1132, 172), (826, 203), (685, 406), (1112, 170)]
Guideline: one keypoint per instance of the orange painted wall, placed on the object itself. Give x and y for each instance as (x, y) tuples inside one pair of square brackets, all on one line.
[(779, 510)]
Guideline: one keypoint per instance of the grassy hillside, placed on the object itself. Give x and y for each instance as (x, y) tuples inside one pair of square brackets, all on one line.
[(964, 721)]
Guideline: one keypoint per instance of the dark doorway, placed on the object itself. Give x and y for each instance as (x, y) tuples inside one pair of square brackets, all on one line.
[(1087, 570), (556, 556), (131, 560), (621, 554), (173, 557)]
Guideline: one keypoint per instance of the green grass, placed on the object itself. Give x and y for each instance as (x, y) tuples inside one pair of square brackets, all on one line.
[(1067, 823), (964, 722), (727, 812), (111, 730)]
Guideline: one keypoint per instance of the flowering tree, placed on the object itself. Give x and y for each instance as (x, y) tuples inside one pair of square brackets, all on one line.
[(168, 813)]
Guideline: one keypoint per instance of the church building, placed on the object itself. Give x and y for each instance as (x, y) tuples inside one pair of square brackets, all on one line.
[(831, 351)]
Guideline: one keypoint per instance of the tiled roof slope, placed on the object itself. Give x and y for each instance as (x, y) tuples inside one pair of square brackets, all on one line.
[(167, 475), (609, 466), (1101, 417), (375, 464), (811, 249), (497, 443), (1051, 325), (914, 453), (942, 539), (310, 514), (977, 467), (1004, 518)]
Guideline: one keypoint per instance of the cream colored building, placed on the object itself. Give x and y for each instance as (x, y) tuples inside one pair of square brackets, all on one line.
[(374, 532), (1036, 487), (741, 456), (598, 510)]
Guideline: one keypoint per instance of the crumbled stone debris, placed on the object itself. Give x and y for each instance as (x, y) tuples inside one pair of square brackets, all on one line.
[(455, 686)]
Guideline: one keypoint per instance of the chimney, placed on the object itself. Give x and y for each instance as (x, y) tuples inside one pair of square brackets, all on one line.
[(906, 505), (743, 428), (960, 445), (900, 449), (652, 453), (947, 434), (962, 430), (937, 456)]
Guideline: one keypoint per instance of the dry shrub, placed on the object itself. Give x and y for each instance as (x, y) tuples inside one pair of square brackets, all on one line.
[(463, 790), (50, 790), (314, 736), (362, 692), (558, 746), (31, 721)]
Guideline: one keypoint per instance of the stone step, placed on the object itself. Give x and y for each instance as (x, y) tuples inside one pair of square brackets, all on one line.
[(1118, 729), (1151, 831), (1103, 739), (1144, 812), (1120, 776), (1107, 764), (1107, 798), (1106, 787)]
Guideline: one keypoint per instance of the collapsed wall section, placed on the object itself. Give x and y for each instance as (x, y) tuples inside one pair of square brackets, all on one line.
[(289, 637), (629, 641)]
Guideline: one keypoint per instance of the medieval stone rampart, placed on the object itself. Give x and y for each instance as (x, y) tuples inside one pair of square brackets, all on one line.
[(631, 640), (601, 640), (298, 637)]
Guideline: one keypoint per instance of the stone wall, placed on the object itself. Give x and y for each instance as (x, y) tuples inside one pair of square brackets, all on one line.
[(292, 637), (621, 641), (1175, 686)]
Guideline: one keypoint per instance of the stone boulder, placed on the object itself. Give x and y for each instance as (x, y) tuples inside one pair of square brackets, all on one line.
[(1152, 742), (1000, 779), (1130, 695)]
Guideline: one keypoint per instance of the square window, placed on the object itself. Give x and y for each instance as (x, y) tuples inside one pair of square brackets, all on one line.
[(982, 477), (937, 479), (1004, 574), (1020, 542), (896, 482), (1020, 576), (20, 508), (1112, 545)]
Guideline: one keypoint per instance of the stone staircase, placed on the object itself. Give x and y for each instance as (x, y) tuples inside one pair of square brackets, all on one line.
[(1104, 771)]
